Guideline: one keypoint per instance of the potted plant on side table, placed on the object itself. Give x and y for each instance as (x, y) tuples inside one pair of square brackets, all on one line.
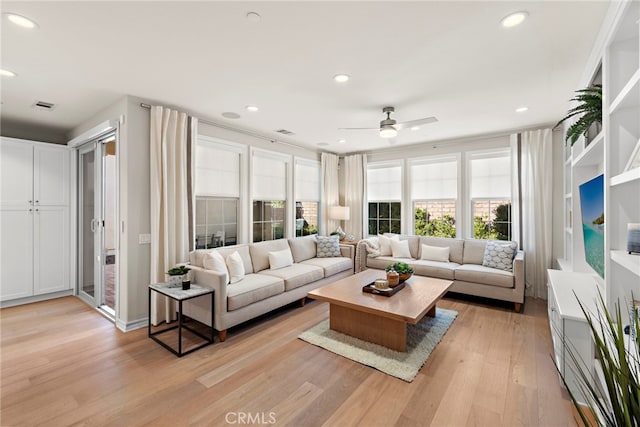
[(180, 274)]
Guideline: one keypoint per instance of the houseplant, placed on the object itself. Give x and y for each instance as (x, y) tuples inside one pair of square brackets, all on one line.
[(590, 107), (402, 268), (619, 403), (180, 274)]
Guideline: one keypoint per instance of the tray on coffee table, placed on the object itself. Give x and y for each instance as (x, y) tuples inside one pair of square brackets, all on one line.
[(371, 289)]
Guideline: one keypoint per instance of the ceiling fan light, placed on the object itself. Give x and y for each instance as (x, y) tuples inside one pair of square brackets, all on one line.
[(388, 131)]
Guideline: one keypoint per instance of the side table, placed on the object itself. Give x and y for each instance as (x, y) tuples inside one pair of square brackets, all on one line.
[(176, 293)]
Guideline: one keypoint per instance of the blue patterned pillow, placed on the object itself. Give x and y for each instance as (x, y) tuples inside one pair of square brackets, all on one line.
[(499, 254), (328, 246)]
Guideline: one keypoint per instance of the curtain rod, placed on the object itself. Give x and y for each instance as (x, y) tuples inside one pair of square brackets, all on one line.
[(248, 133)]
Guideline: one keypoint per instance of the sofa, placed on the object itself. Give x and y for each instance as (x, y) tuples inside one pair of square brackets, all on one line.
[(464, 264), (262, 288)]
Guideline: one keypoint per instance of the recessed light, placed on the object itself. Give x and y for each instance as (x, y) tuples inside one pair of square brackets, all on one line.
[(342, 141), (230, 115), (514, 19), (252, 108), (521, 109), (415, 127), (253, 17), (21, 21), (7, 73), (341, 78)]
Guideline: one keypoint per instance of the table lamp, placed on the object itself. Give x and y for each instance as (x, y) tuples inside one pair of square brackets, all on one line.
[(340, 213)]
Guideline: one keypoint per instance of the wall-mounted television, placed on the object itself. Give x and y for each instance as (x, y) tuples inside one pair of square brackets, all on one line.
[(592, 207)]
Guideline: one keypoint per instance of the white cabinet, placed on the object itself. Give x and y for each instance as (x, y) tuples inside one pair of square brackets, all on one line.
[(569, 328), (34, 219)]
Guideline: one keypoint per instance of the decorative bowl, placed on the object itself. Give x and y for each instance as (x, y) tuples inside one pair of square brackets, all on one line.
[(404, 276)]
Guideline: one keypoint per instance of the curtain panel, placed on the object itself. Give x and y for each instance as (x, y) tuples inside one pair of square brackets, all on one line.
[(355, 178), (330, 191), (171, 197)]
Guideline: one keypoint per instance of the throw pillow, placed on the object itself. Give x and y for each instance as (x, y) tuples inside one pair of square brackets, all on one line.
[(384, 243), (328, 246), (400, 249), (435, 253), (500, 255), (280, 259), (214, 261), (236, 267)]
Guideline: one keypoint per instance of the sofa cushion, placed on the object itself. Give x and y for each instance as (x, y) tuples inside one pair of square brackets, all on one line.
[(303, 248), (414, 245), (384, 243), (473, 251), (243, 250), (260, 252), (236, 267), (439, 269), (455, 246), (254, 288), (328, 246), (381, 262), (484, 275), (214, 261), (331, 266), (296, 275), (434, 253), (500, 255), (280, 259), (400, 249)]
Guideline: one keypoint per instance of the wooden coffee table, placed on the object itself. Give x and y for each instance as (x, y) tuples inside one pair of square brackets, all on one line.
[(375, 318)]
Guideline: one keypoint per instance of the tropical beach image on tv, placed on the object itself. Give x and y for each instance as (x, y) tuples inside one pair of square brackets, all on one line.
[(592, 207)]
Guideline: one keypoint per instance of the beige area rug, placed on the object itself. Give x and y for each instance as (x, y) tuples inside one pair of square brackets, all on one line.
[(422, 338)]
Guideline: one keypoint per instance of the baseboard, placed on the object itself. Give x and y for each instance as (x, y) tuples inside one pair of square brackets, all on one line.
[(36, 298), (132, 326)]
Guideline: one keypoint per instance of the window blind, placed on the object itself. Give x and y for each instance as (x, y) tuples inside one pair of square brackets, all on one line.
[(217, 170), (491, 176), (434, 180), (384, 183), (307, 181), (269, 177)]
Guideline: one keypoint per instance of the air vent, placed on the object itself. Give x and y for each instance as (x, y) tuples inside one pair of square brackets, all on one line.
[(44, 105), (285, 132)]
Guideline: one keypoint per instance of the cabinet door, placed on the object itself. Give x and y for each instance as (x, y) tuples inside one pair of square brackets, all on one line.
[(51, 249), (16, 257), (51, 175), (16, 174)]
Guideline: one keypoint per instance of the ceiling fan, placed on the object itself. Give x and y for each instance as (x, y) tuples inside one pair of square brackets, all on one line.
[(389, 127)]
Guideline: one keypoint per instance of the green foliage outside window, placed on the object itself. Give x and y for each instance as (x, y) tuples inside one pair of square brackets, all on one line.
[(445, 226), (498, 229)]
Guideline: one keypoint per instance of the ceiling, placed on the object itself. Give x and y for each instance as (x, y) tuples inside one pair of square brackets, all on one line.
[(448, 59)]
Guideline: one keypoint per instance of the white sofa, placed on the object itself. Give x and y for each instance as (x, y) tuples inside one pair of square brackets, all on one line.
[(464, 267), (262, 289)]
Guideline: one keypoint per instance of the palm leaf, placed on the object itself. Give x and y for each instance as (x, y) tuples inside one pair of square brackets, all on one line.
[(590, 107)]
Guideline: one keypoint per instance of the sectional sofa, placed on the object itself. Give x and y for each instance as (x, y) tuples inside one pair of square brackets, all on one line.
[(262, 288), (463, 264)]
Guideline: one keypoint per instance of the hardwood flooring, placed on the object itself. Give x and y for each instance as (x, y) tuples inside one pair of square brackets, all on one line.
[(62, 363)]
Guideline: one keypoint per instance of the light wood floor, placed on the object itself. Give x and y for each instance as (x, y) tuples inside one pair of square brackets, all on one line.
[(64, 364)]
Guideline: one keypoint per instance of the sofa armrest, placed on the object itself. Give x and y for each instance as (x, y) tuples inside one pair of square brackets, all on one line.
[(518, 274), (212, 280), (362, 254), (347, 251)]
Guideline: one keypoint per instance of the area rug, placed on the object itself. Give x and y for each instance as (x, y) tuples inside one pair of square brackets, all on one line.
[(422, 338)]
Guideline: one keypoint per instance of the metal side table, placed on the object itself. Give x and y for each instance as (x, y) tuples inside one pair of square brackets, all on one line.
[(176, 293)]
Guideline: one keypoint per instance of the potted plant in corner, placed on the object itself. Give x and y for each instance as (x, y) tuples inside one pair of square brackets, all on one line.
[(590, 107), (180, 274)]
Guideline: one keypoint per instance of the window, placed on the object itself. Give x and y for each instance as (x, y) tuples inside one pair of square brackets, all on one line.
[(307, 194), (216, 222), (434, 191), (217, 193), (384, 194), (269, 186), (491, 195)]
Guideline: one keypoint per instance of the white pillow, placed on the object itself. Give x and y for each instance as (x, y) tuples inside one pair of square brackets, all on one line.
[(236, 267), (214, 261), (435, 253), (400, 248), (280, 259), (384, 243)]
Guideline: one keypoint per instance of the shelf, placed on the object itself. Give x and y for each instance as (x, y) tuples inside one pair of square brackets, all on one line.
[(568, 196), (593, 154), (629, 96), (564, 264), (568, 161), (624, 259), (568, 230), (624, 177)]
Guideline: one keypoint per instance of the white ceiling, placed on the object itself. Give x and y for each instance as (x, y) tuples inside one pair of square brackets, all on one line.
[(452, 60)]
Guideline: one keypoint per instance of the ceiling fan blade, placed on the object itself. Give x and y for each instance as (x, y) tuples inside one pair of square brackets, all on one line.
[(418, 122), (359, 128)]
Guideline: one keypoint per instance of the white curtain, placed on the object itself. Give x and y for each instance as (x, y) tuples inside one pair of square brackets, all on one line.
[(330, 194), (355, 178), (171, 199), (536, 180)]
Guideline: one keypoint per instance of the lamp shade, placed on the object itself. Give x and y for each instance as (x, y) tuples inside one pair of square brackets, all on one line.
[(339, 212), (388, 131)]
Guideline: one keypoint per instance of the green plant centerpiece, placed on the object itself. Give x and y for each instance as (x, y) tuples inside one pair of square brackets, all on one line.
[(590, 107), (178, 274), (619, 357), (402, 268)]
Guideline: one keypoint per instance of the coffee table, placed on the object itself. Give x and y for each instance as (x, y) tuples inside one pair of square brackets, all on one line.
[(375, 318)]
